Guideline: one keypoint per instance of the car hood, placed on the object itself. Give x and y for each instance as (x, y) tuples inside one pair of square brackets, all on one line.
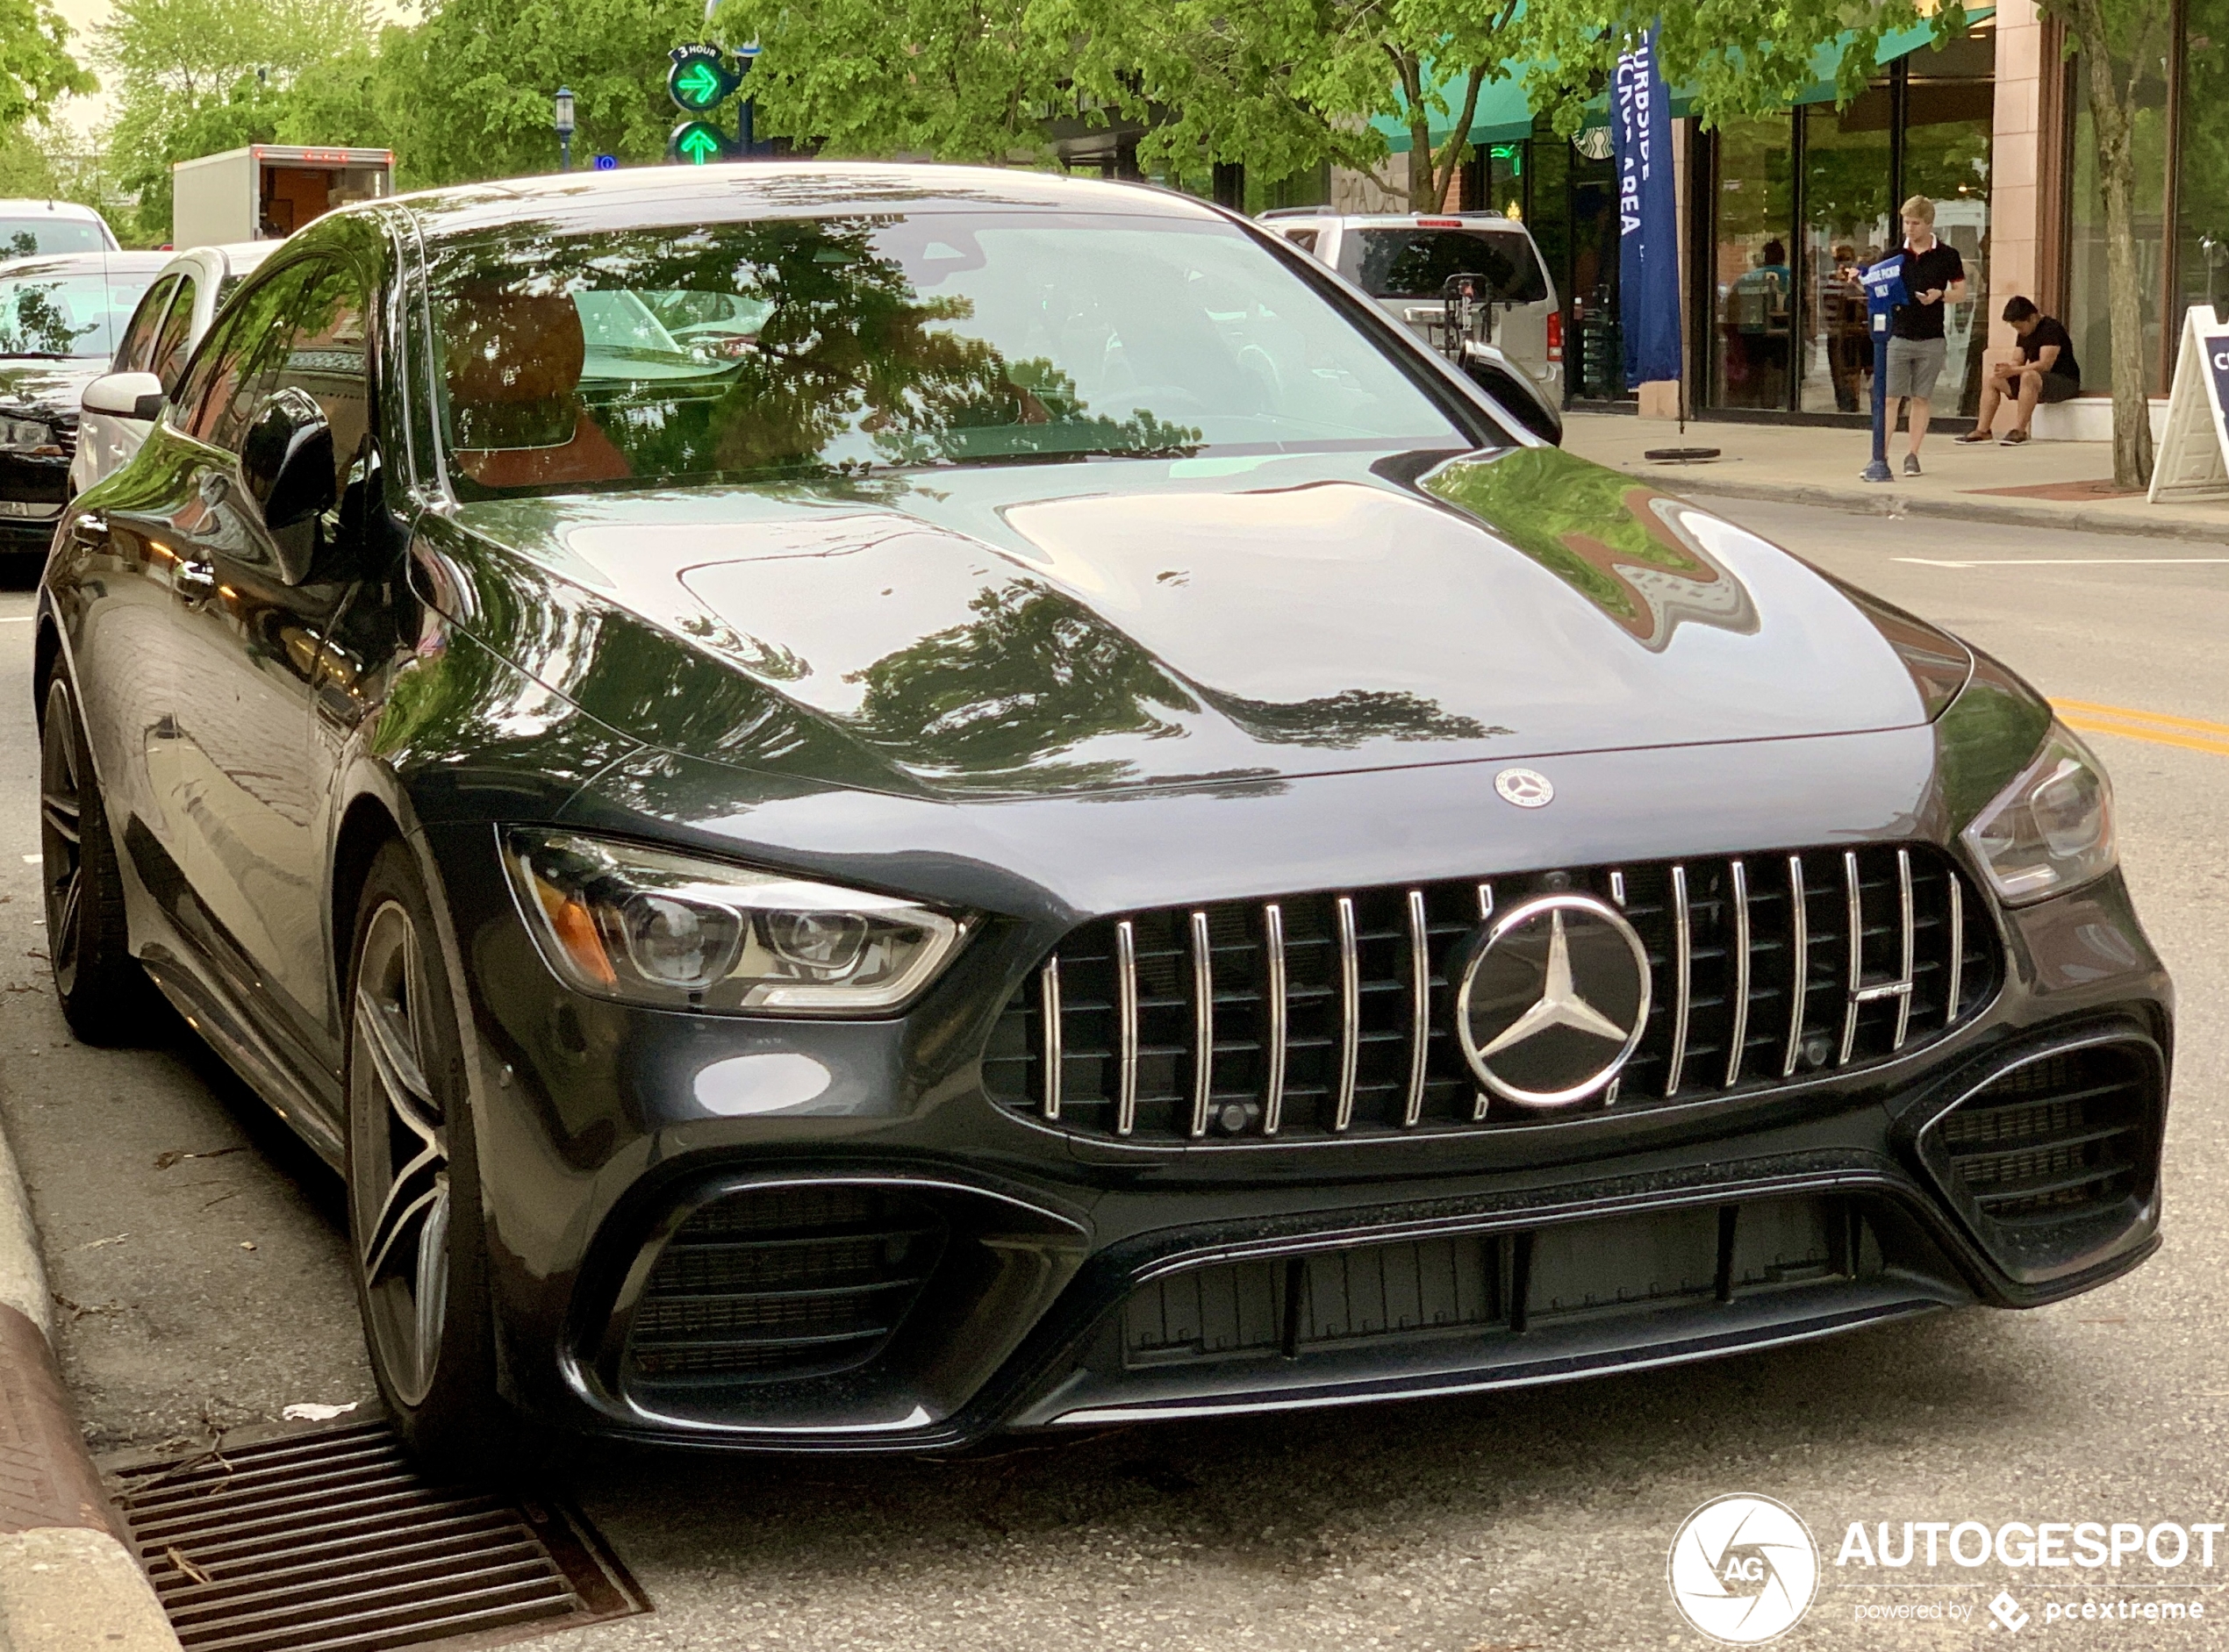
[(1030, 629), (29, 383)]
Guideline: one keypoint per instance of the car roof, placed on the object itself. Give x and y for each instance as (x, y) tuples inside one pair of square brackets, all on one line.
[(59, 208), (1403, 220), (230, 257), (644, 197), (82, 263)]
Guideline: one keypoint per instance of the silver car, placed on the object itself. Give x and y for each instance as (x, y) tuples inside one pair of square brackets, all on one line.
[(117, 411), (1403, 263)]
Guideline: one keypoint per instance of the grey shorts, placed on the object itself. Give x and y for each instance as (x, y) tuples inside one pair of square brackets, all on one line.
[(1913, 365)]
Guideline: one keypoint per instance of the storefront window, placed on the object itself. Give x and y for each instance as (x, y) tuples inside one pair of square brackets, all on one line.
[(2087, 310), (1849, 222), (2202, 185), (1948, 107), (1753, 282)]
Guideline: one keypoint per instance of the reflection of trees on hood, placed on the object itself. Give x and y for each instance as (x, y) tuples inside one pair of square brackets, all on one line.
[(1349, 719), (1601, 533), (846, 344), (1031, 675), (34, 325)]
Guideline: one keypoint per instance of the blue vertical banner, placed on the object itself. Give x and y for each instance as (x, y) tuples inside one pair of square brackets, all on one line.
[(1648, 214)]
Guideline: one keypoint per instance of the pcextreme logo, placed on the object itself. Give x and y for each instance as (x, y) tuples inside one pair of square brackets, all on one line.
[(1744, 1570)]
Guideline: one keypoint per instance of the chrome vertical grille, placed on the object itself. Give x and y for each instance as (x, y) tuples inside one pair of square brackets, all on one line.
[(1315, 1014)]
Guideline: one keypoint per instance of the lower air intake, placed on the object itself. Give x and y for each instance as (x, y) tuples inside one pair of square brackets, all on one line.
[(775, 1283), (2066, 1136)]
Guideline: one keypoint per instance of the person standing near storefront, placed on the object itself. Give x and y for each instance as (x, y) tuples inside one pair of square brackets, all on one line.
[(1934, 275)]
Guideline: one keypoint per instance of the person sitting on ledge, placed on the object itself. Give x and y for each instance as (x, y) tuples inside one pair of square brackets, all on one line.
[(2046, 372)]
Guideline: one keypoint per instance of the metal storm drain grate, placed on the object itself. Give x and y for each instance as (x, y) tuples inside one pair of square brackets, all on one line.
[(315, 1540)]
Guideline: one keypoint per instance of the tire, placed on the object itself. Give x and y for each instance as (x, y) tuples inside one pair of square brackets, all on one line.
[(105, 996), (416, 1237)]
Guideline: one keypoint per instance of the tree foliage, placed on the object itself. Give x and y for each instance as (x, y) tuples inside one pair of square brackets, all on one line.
[(35, 64)]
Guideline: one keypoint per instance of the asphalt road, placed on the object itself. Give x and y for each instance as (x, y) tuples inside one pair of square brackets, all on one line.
[(208, 1291)]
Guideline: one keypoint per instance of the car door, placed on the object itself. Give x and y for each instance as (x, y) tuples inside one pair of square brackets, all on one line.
[(250, 643), (101, 437)]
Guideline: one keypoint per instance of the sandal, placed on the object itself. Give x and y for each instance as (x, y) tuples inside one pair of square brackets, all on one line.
[(2012, 439)]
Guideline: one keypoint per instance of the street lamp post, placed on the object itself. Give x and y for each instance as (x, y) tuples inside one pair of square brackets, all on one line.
[(562, 119)]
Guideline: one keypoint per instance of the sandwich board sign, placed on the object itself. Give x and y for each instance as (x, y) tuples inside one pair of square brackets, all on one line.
[(2193, 459)]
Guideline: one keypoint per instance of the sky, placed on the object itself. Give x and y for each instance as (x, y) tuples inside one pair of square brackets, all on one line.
[(82, 114)]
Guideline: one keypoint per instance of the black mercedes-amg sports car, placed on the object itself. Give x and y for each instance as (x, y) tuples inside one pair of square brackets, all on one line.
[(867, 804)]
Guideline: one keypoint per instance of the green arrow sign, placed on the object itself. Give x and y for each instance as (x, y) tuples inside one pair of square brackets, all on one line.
[(698, 86), (699, 78), (697, 142)]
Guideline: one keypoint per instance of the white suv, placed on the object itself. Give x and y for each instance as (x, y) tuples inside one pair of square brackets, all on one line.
[(1403, 263)]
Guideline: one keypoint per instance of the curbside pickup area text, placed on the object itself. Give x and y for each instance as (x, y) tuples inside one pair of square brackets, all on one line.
[(67, 1580)]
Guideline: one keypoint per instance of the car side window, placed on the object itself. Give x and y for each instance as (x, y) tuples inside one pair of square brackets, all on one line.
[(326, 357), (238, 357), (135, 349), (174, 338)]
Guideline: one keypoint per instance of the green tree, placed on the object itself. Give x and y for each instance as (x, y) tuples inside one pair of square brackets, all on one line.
[(959, 80), (195, 77), (35, 64), (2122, 40), (466, 94)]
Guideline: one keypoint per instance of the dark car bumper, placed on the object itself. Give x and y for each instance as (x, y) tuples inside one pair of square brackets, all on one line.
[(32, 494), (948, 1269)]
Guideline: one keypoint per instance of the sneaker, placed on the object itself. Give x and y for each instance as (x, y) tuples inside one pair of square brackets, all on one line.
[(2012, 439), (1911, 464), (1971, 438)]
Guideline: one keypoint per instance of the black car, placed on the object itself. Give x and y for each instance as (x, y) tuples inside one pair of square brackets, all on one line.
[(59, 319), (869, 804)]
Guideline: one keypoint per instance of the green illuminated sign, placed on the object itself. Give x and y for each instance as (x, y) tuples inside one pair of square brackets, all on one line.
[(699, 79), (697, 142)]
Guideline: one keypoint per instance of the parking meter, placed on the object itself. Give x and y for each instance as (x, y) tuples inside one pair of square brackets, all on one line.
[(1884, 291)]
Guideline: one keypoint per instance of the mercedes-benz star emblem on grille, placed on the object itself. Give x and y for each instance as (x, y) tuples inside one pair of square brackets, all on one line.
[(1553, 1000), (1527, 788)]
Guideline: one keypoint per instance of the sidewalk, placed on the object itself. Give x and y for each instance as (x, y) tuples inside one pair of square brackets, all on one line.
[(2056, 484)]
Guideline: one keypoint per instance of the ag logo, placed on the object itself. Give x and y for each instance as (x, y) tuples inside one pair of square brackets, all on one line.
[(1744, 1570)]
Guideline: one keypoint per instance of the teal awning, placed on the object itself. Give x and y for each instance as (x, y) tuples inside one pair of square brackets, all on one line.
[(1504, 115)]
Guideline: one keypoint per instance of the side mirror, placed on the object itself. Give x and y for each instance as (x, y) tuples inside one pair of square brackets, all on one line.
[(287, 461), (124, 395), (1517, 391)]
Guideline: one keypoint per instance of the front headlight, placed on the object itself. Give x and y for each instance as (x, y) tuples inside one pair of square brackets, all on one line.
[(27, 436), (645, 925), (2052, 828)]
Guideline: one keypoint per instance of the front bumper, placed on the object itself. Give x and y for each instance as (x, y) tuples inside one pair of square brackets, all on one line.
[(983, 1273)]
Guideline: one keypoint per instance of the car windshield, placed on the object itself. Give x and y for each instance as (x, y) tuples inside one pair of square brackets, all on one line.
[(1416, 263), (24, 237), (68, 315), (844, 344)]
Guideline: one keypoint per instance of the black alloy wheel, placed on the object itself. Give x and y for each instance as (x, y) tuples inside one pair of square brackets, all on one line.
[(104, 995), (413, 1192)]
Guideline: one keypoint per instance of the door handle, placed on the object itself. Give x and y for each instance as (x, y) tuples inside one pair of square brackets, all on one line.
[(194, 583)]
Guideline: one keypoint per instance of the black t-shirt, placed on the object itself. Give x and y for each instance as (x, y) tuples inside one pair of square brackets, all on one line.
[(1937, 267), (2047, 331)]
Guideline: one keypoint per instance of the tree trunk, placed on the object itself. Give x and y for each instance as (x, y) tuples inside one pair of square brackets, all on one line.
[(2114, 121)]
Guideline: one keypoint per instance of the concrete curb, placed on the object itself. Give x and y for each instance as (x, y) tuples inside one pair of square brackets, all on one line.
[(1892, 500), (67, 1580)]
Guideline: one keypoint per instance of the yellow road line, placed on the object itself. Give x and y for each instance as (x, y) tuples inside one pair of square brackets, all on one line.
[(2089, 708), (2157, 737)]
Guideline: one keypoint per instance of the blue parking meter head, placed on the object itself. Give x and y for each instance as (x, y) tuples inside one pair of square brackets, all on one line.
[(1885, 290)]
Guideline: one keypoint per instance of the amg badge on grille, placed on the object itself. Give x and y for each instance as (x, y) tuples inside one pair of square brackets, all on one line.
[(1553, 999)]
